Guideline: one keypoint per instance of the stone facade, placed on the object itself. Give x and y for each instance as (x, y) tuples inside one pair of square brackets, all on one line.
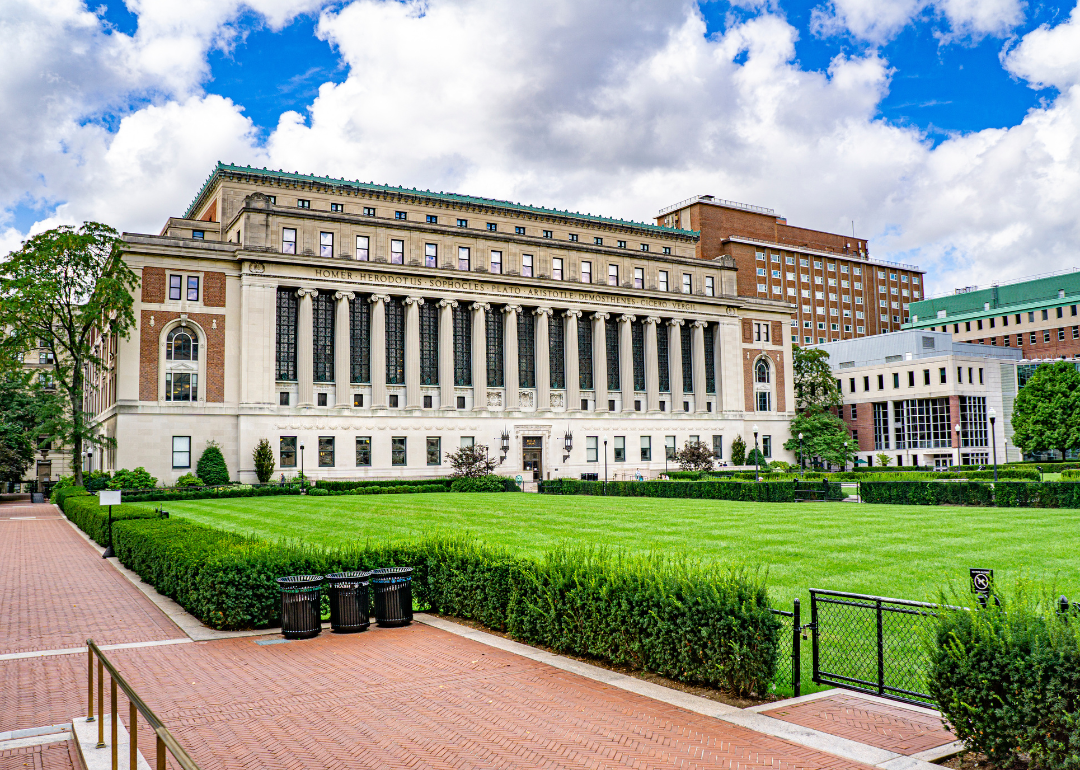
[(377, 329)]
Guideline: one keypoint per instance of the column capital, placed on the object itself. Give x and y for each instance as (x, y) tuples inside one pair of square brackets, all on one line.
[(508, 309), (418, 301), (700, 324), (377, 298), (481, 306), (675, 322), (345, 295), (600, 315), (627, 318), (651, 319), (572, 313), (542, 311), (448, 303), (301, 293)]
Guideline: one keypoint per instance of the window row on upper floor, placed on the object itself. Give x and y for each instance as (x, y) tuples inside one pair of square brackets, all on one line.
[(775, 258)]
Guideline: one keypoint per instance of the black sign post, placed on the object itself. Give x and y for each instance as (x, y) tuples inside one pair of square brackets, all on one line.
[(982, 582)]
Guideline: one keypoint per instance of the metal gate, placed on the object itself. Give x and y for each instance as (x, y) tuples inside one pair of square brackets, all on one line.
[(872, 644)]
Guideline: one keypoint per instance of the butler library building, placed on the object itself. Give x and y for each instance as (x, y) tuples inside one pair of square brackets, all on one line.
[(367, 331)]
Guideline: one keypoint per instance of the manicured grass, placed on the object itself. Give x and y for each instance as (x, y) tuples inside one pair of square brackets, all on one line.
[(909, 552)]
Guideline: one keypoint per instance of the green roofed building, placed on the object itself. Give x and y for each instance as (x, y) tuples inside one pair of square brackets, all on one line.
[(1038, 315)]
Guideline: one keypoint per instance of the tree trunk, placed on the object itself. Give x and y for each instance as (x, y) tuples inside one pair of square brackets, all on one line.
[(75, 397)]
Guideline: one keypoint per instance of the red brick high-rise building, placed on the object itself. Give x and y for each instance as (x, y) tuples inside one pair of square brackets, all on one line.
[(837, 290)]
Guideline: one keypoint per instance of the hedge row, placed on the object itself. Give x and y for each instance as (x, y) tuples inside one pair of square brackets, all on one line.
[(1004, 494), (380, 490), (347, 486), (689, 621), (1007, 679), (767, 491), (210, 493)]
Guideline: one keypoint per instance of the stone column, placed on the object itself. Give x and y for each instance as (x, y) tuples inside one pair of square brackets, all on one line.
[(412, 352), (446, 354), (675, 362), (305, 348), (479, 354), (510, 355), (652, 364), (599, 347), (543, 359), (717, 367), (570, 364), (626, 361), (342, 351), (698, 340), (378, 350)]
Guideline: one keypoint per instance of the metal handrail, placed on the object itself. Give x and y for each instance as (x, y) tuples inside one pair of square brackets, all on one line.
[(165, 739)]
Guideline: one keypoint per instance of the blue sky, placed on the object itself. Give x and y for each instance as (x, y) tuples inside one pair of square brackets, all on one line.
[(948, 130)]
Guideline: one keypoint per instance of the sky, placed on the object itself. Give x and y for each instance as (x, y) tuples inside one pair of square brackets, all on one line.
[(947, 132)]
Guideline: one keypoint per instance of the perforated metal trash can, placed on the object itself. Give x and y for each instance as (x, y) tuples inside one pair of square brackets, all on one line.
[(301, 606), (392, 587), (349, 603)]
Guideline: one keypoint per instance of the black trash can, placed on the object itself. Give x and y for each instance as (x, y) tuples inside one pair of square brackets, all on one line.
[(393, 596), (349, 602), (301, 606)]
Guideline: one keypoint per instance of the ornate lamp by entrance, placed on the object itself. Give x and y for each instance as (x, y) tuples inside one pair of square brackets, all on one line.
[(505, 447), (568, 444)]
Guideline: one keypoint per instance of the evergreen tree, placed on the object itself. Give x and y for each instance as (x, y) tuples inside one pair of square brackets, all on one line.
[(211, 467), (263, 456), (738, 451)]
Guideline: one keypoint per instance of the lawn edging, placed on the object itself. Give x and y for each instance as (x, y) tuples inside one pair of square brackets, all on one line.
[(673, 616)]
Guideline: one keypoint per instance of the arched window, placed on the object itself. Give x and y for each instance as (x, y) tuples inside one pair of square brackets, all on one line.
[(182, 367), (762, 372), (182, 344), (763, 401)]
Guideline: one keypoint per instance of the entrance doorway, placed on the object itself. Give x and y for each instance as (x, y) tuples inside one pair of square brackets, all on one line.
[(532, 454)]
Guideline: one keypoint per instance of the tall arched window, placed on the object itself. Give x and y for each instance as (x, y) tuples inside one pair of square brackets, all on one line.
[(762, 372), (762, 386), (182, 365)]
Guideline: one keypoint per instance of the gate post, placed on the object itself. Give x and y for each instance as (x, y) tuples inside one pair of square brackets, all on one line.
[(796, 649), (880, 651), (814, 638)]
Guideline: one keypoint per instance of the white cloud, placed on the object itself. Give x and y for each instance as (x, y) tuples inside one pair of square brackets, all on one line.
[(878, 21), (1049, 56)]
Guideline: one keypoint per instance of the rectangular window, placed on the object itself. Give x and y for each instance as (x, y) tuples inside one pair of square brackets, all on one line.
[(200, 235), (646, 448), (397, 450), (926, 376), (613, 275), (573, 237), (193, 288), (766, 446), (326, 451), (586, 272), (718, 447), (598, 241), (881, 382), (686, 283), (710, 286), (527, 265), (362, 253), (662, 281), (369, 211), (881, 425), (397, 252), (941, 375), (639, 278), (621, 244), (669, 447), (644, 247), (181, 451), (463, 223), (1061, 334), (287, 451), (667, 250), (592, 449), (176, 286), (619, 449), (363, 451), (283, 398), (431, 255), (434, 450), (1046, 335), (181, 386), (432, 219), (463, 258), (301, 203), (866, 383), (400, 215), (519, 231), (763, 401), (326, 244), (496, 261), (492, 227), (556, 268), (547, 233), (358, 399)]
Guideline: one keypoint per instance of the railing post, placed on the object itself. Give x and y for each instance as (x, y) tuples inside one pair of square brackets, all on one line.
[(160, 754), (100, 704), (880, 650), (112, 692), (133, 729), (89, 684), (796, 649), (814, 638)]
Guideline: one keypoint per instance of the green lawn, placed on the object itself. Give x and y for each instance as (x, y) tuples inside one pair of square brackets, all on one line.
[(909, 552)]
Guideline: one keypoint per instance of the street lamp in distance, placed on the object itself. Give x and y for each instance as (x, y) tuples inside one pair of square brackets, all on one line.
[(957, 428), (303, 482), (757, 457), (993, 439), (844, 467), (801, 463)]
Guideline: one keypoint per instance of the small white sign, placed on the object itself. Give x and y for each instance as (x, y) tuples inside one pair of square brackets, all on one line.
[(109, 497)]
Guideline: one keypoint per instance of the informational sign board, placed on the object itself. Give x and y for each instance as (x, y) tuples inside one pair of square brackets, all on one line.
[(518, 478), (109, 497), (981, 580)]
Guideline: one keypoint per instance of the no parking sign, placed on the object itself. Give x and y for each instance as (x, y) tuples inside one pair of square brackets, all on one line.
[(981, 581)]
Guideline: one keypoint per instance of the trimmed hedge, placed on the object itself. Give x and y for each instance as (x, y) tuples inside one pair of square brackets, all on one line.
[(489, 483), (209, 493), (689, 621), (347, 486), (1004, 494), (767, 491), (93, 519), (1007, 679)]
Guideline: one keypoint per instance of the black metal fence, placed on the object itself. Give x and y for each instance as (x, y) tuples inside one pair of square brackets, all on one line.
[(872, 644), (789, 660)]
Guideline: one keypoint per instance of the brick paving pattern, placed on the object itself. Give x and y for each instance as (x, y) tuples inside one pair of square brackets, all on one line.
[(50, 756), (42, 691), (56, 592), (888, 727)]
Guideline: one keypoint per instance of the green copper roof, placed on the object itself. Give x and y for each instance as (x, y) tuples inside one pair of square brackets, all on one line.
[(974, 303), (223, 168)]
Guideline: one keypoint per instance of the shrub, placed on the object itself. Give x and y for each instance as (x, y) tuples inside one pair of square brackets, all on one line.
[(189, 480), (738, 451), (93, 519), (139, 478), (211, 467), (60, 495), (318, 492), (769, 491), (695, 456), (1004, 494), (490, 483), (95, 481), (339, 486), (263, 457), (1007, 679)]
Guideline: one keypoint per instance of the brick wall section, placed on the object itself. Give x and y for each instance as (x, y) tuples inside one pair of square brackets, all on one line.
[(153, 284), (213, 347), (747, 330), (214, 289), (774, 356), (864, 423)]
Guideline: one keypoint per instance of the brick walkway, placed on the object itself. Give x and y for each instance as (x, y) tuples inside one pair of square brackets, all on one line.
[(56, 591), (888, 727), (51, 756)]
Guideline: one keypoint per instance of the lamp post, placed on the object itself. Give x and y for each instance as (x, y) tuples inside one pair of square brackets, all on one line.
[(801, 463), (958, 444), (844, 466), (757, 457), (303, 478), (89, 461), (605, 465), (993, 440)]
